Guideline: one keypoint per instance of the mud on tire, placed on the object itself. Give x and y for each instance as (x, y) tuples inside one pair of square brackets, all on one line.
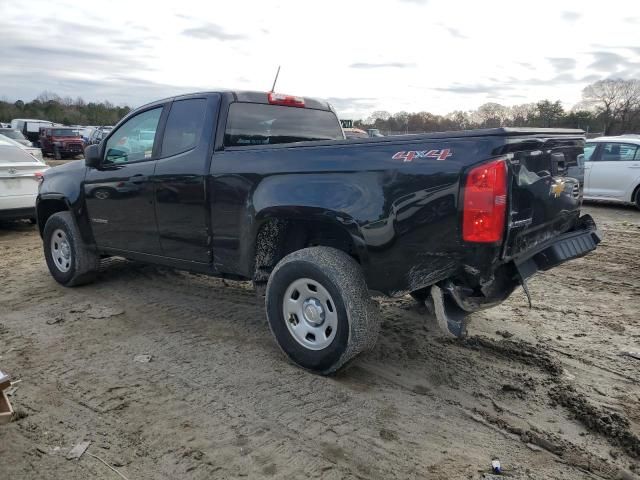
[(81, 264), (329, 278)]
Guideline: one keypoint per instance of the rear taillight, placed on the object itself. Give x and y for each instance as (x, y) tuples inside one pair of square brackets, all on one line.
[(39, 177), (485, 203), (288, 100)]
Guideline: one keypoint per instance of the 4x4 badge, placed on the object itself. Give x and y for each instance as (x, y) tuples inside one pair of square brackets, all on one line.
[(410, 155)]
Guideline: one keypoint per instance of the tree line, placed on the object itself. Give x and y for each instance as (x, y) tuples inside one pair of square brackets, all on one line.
[(65, 110), (608, 107)]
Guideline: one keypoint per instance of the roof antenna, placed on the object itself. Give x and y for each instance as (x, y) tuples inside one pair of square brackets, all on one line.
[(275, 79)]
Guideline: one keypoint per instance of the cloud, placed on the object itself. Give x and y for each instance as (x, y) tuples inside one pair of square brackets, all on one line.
[(382, 65), (211, 30), (608, 61), (562, 63), (456, 33), (571, 16), (511, 84), (474, 88), (352, 103), (417, 2)]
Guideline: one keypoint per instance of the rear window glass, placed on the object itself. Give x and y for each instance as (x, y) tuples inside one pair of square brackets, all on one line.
[(260, 124), (184, 126), (13, 154)]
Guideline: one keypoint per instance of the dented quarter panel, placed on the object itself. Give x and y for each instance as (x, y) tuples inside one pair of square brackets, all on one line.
[(402, 216)]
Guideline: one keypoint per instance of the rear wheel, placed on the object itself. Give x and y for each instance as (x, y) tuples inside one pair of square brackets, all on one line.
[(69, 259), (319, 309)]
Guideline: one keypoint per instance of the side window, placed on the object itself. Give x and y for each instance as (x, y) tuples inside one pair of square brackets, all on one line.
[(618, 152), (184, 126), (134, 140), (589, 148)]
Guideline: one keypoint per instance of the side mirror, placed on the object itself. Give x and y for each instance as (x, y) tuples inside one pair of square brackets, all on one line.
[(92, 156)]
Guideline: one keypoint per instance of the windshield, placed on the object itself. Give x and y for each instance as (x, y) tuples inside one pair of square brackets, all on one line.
[(260, 124), (11, 133), (64, 132)]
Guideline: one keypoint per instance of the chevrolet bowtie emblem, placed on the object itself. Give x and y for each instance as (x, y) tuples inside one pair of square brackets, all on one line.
[(557, 188)]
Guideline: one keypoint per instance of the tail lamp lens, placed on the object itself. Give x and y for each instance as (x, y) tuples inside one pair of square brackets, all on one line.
[(485, 203)]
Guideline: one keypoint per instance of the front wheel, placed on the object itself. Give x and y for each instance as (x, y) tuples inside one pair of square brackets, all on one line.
[(69, 259), (319, 309), (637, 199)]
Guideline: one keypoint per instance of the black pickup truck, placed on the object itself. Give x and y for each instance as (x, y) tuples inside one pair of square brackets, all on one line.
[(264, 187)]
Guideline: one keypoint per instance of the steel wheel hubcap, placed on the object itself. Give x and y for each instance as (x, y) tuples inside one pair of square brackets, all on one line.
[(61, 250), (310, 314)]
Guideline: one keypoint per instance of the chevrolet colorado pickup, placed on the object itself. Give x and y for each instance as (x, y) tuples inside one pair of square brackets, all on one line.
[(264, 187)]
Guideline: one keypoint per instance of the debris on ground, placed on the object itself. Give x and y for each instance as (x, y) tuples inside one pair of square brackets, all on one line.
[(504, 333), (99, 311), (142, 358), (77, 451), (631, 354), (495, 466), (56, 319), (6, 411)]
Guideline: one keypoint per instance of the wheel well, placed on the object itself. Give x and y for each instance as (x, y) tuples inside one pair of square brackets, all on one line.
[(46, 208), (634, 195), (280, 237)]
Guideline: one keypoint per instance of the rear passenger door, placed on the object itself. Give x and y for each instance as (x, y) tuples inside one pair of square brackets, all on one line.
[(614, 169), (181, 199)]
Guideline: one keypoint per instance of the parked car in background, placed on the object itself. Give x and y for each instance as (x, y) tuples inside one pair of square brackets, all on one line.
[(30, 128), (16, 135), (355, 133), (20, 175), (374, 132), (35, 151), (612, 169), (86, 132), (61, 142), (98, 135)]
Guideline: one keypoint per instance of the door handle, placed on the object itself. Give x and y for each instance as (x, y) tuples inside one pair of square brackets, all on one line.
[(139, 178), (635, 165)]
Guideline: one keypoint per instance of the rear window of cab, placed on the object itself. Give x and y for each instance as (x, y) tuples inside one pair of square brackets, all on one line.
[(261, 124)]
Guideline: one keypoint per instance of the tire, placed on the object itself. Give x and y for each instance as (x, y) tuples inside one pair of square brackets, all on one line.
[(70, 261), (349, 322), (637, 198)]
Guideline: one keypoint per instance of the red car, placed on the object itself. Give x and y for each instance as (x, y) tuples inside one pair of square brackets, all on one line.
[(60, 142)]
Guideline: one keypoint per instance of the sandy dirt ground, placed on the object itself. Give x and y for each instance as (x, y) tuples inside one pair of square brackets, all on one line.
[(547, 390)]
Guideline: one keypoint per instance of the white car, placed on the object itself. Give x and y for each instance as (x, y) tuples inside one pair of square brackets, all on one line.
[(612, 169), (35, 151), (20, 175)]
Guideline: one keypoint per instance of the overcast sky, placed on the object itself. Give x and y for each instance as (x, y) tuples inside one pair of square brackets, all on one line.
[(413, 55)]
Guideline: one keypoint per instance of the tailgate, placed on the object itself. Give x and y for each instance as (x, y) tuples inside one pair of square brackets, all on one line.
[(547, 177)]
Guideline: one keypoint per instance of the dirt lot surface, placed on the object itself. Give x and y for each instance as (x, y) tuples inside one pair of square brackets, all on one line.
[(548, 391)]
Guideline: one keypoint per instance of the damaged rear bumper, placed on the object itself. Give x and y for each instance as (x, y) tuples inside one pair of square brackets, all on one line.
[(571, 245), (452, 303)]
